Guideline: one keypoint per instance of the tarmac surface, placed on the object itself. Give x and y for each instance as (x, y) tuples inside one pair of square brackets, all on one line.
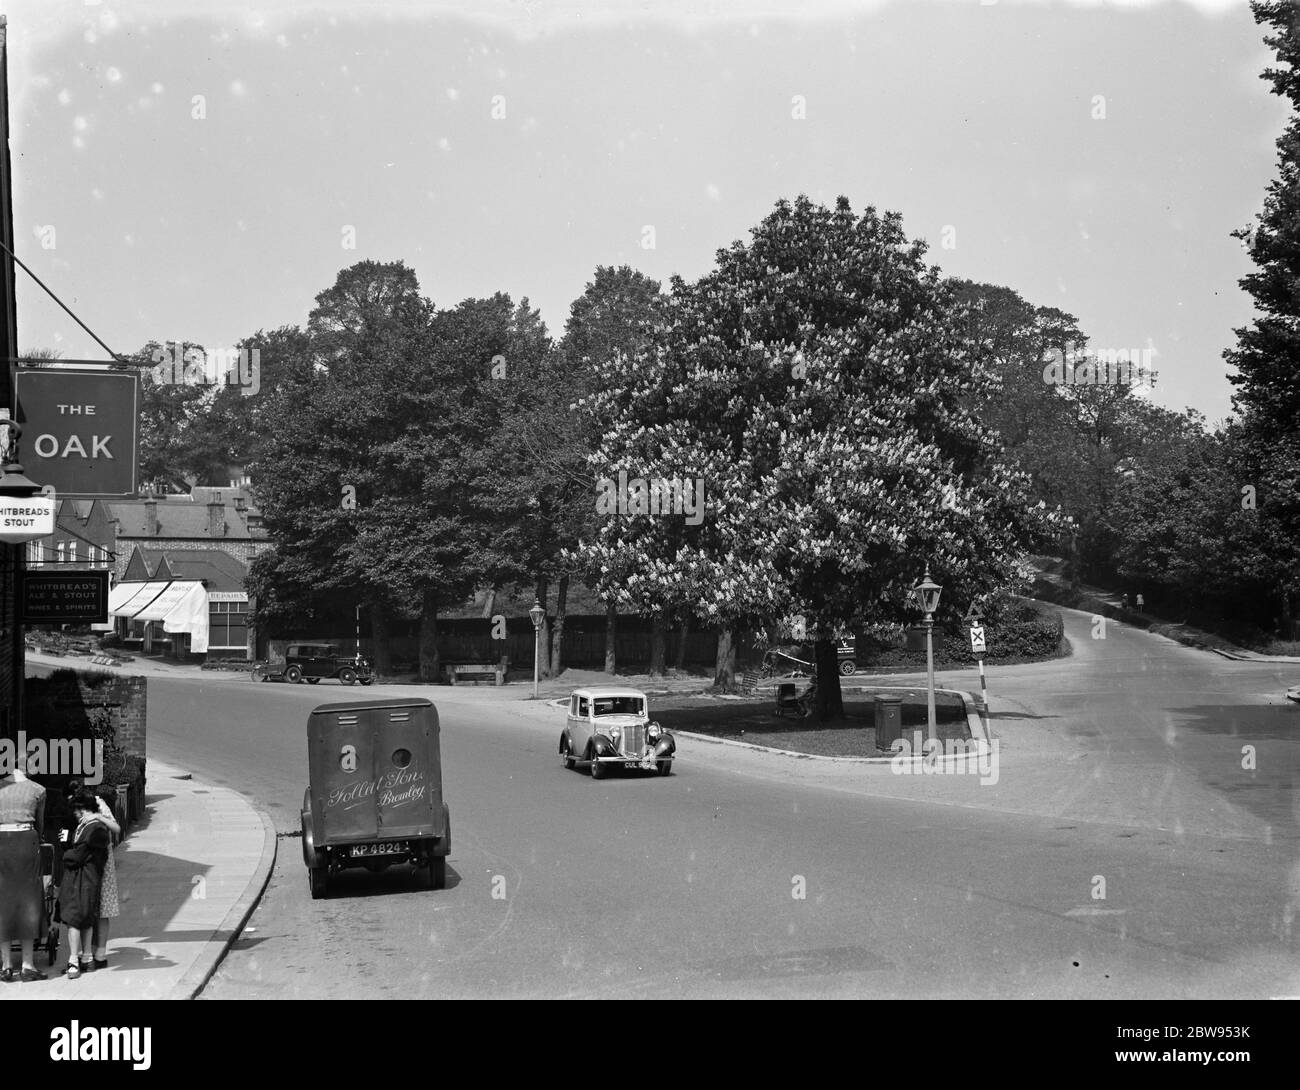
[(1125, 762)]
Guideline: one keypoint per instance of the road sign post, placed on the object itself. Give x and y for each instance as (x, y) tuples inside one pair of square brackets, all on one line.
[(979, 647)]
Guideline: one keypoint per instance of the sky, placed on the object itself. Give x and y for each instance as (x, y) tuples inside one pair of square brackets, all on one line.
[(196, 169)]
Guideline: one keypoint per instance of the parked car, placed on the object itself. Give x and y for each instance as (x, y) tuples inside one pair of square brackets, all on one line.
[(374, 798), (310, 662), (1293, 693), (611, 728)]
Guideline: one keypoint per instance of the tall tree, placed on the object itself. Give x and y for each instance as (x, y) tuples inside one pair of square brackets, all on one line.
[(613, 317), (1267, 353), (818, 383)]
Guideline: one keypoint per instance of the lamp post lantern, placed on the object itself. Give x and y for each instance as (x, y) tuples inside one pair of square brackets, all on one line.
[(538, 614), (927, 597)]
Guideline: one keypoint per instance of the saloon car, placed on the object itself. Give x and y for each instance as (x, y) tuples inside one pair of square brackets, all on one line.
[(310, 662), (611, 728)]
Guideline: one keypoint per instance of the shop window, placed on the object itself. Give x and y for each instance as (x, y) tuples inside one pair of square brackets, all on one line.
[(228, 625)]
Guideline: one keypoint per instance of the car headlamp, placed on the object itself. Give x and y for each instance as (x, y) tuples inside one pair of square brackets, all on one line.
[(653, 731)]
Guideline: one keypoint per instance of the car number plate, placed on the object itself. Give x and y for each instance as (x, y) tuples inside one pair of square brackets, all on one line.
[(649, 762), (397, 847)]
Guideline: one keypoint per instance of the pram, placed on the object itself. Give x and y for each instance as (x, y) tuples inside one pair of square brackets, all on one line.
[(49, 893)]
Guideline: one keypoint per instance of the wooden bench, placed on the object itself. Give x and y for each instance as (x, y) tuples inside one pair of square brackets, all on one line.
[(749, 681), (477, 671)]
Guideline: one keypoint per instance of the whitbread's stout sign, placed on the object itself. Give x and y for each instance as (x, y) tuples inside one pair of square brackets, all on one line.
[(25, 518), (64, 596)]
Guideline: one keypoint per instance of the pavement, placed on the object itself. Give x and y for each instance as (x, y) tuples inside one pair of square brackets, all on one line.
[(189, 875)]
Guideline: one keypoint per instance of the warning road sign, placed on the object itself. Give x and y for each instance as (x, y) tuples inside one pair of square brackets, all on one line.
[(977, 644)]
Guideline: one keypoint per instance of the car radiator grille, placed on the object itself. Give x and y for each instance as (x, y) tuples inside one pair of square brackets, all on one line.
[(633, 741)]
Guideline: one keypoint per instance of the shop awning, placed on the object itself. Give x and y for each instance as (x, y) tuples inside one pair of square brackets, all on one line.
[(181, 606)]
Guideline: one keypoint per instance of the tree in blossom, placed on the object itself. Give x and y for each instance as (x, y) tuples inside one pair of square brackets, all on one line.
[(819, 381)]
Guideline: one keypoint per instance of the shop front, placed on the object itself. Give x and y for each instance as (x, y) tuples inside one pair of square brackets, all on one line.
[(162, 617)]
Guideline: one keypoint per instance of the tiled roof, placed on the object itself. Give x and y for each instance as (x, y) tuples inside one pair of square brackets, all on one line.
[(182, 517), (219, 570)]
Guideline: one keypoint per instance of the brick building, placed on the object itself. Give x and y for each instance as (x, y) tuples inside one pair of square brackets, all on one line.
[(84, 537), (166, 546)]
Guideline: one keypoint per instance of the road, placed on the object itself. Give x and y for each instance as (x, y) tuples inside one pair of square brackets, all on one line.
[(1124, 851)]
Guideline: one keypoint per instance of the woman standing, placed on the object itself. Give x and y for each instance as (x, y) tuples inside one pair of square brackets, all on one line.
[(109, 907), (22, 908), (83, 878)]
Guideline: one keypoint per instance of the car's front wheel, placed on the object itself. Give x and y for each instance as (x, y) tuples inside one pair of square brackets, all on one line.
[(293, 674), (566, 752), (598, 770), (665, 768), (848, 667), (348, 676)]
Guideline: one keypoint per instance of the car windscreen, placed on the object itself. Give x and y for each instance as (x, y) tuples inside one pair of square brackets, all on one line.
[(619, 705)]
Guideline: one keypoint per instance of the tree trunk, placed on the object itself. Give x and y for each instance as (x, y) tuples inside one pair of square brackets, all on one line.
[(681, 646), (659, 645), (379, 653), (611, 629), (724, 673), (542, 592), (557, 638), (830, 701), (430, 665)]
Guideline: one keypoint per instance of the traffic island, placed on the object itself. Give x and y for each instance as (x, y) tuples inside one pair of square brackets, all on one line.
[(755, 722)]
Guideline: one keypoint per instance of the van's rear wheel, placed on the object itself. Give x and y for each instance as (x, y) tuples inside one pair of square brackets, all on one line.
[(318, 880), (432, 872)]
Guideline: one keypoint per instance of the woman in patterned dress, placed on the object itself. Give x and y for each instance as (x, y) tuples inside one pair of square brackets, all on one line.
[(83, 879), (109, 908)]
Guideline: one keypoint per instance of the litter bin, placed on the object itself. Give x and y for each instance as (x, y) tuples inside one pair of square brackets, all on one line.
[(889, 720)]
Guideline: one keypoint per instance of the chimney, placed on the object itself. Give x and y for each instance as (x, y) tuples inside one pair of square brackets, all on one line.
[(150, 517), (216, 519)]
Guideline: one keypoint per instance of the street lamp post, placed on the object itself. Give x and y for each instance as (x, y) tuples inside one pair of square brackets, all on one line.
[(927, 596), (538, 614)]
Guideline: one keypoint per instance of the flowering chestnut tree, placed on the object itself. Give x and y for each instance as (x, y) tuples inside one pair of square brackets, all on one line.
[(818, 382)]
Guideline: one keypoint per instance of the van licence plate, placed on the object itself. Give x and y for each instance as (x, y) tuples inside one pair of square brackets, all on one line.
[(393, 847)]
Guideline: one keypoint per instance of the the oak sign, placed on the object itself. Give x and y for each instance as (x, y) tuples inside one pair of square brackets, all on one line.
[(79, 429), (64, 596)]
